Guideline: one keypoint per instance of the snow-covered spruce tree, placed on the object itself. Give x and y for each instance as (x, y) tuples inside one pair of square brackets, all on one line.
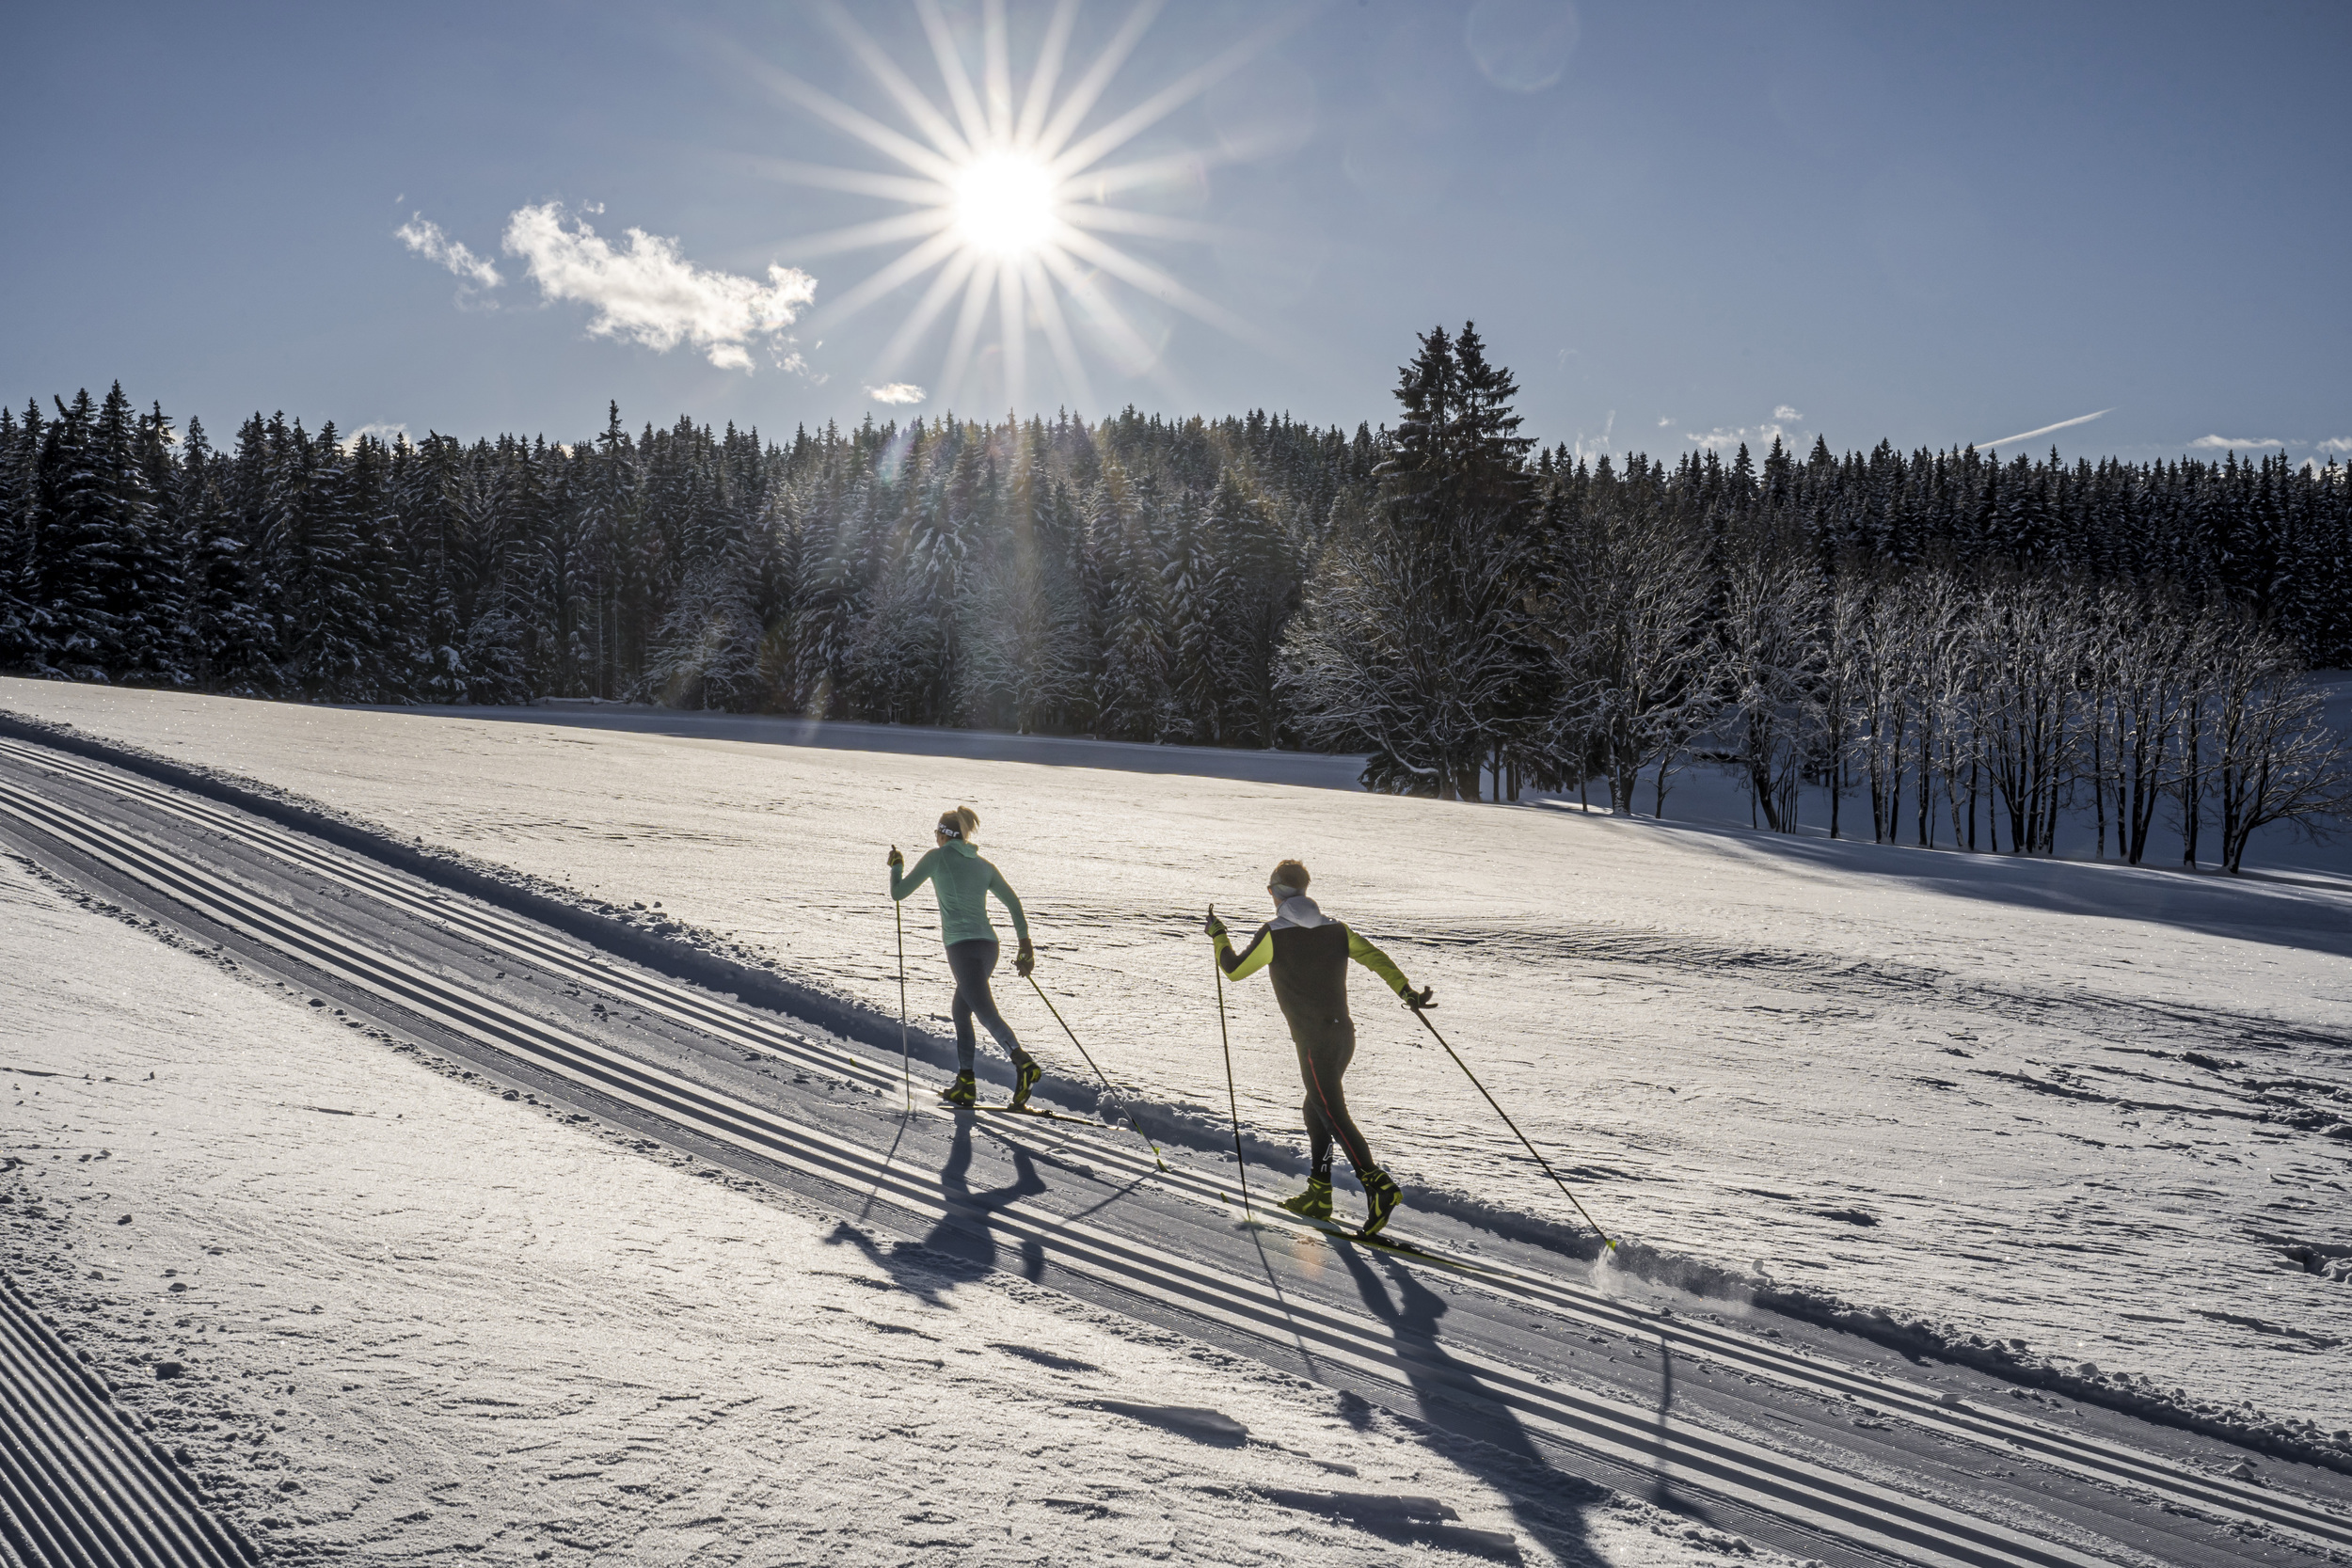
[(895, 654), (706, 652), (548, 588), (154, 612), (1194, 586), (1413, 638), (1258, 587), (728, 641), (608, 483), (1027, 652), (1130, 690), (836, 588), (78, 572), (19, 535), (962, 566), (774, 534), (330, 636)]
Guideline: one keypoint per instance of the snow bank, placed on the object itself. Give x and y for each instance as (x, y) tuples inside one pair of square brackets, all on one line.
[(2051, 1115), (409, 1319)]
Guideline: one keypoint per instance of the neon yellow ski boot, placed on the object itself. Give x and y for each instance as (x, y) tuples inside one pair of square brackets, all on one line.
[(1314, 1203)]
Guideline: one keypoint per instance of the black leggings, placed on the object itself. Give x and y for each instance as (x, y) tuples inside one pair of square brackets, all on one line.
[(1323, 1059), (971, 963)]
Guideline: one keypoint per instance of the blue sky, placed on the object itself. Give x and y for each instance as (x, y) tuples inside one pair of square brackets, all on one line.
[(1677, 223)]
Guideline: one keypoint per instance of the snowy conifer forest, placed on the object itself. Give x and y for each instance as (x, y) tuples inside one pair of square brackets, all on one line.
[(1957, 648)]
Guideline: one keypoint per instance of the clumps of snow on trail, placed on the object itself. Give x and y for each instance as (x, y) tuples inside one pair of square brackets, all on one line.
[(413, 1319), (2088, 1124)]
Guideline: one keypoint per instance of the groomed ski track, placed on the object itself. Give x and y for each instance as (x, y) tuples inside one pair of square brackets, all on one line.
[(1936, 1477)]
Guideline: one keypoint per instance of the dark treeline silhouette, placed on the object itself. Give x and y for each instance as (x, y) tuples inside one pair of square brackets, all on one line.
[(1476, 612)]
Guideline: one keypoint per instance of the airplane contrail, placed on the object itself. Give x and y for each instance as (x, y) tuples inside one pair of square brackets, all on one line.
[(2029, 434)]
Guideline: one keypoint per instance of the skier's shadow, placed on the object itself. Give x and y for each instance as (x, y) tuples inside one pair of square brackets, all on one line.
[(962, 1233), (1546, 1503)]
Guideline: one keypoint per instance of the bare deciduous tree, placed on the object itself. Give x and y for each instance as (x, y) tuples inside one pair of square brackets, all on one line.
[(2274, 757), (1622, 614)]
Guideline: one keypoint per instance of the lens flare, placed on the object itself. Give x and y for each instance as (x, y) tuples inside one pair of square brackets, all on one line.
[(1009, 190)]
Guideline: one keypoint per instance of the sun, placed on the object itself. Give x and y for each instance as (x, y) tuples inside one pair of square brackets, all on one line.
[(1007, 191), (1006, 204)]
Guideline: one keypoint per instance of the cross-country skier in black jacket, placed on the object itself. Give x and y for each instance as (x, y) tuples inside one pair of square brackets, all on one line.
[(1306, 954)]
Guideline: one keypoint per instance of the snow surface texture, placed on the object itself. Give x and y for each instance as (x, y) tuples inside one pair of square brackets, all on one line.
[(414, 1320), (2091, 1117)]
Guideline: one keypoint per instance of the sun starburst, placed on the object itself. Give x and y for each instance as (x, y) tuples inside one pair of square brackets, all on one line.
[(1006, 197)]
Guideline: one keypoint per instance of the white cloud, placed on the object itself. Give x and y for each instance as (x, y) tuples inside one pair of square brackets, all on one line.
[(423, 236), (2232, 443), (649, 293), (2341, 443), (1664, 420), (1758, 438), (387, 434), (1590, 449), (897, 391)]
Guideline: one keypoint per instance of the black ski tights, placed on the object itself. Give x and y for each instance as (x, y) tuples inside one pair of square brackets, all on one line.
[(1322, 1062), (971, 963)]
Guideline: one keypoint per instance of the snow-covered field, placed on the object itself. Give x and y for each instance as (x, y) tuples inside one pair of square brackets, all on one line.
[(2094, 1110), (419, 1320)]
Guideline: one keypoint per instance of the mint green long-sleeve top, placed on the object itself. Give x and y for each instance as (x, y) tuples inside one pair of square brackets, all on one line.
[(964, 882)]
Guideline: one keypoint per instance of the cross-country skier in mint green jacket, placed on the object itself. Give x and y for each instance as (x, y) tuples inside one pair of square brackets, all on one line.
[(963, 884)]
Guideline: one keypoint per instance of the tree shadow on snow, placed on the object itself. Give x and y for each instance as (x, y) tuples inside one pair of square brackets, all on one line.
[(2309, 916), (1309, 769)]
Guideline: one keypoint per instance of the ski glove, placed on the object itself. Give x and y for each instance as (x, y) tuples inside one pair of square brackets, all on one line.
[(1417, 1000), (897, 860), (1026, 959), (1215, 926)]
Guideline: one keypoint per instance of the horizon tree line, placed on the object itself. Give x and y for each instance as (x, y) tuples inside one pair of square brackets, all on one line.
[(1931, 633)]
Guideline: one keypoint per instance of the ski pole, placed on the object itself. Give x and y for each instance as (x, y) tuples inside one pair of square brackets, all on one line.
[(906, 1063), (1513, 1127), (1098, 1072), (1231, 1101)]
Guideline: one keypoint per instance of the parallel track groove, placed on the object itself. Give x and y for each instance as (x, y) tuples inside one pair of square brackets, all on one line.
[(78, 1487)]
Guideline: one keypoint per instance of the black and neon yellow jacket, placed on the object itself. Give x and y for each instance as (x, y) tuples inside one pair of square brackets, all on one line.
[(1304, 953)]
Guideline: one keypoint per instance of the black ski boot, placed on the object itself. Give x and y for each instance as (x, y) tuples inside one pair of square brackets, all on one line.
[(1380, 1199), (962, 1092), (1025, 1073)]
